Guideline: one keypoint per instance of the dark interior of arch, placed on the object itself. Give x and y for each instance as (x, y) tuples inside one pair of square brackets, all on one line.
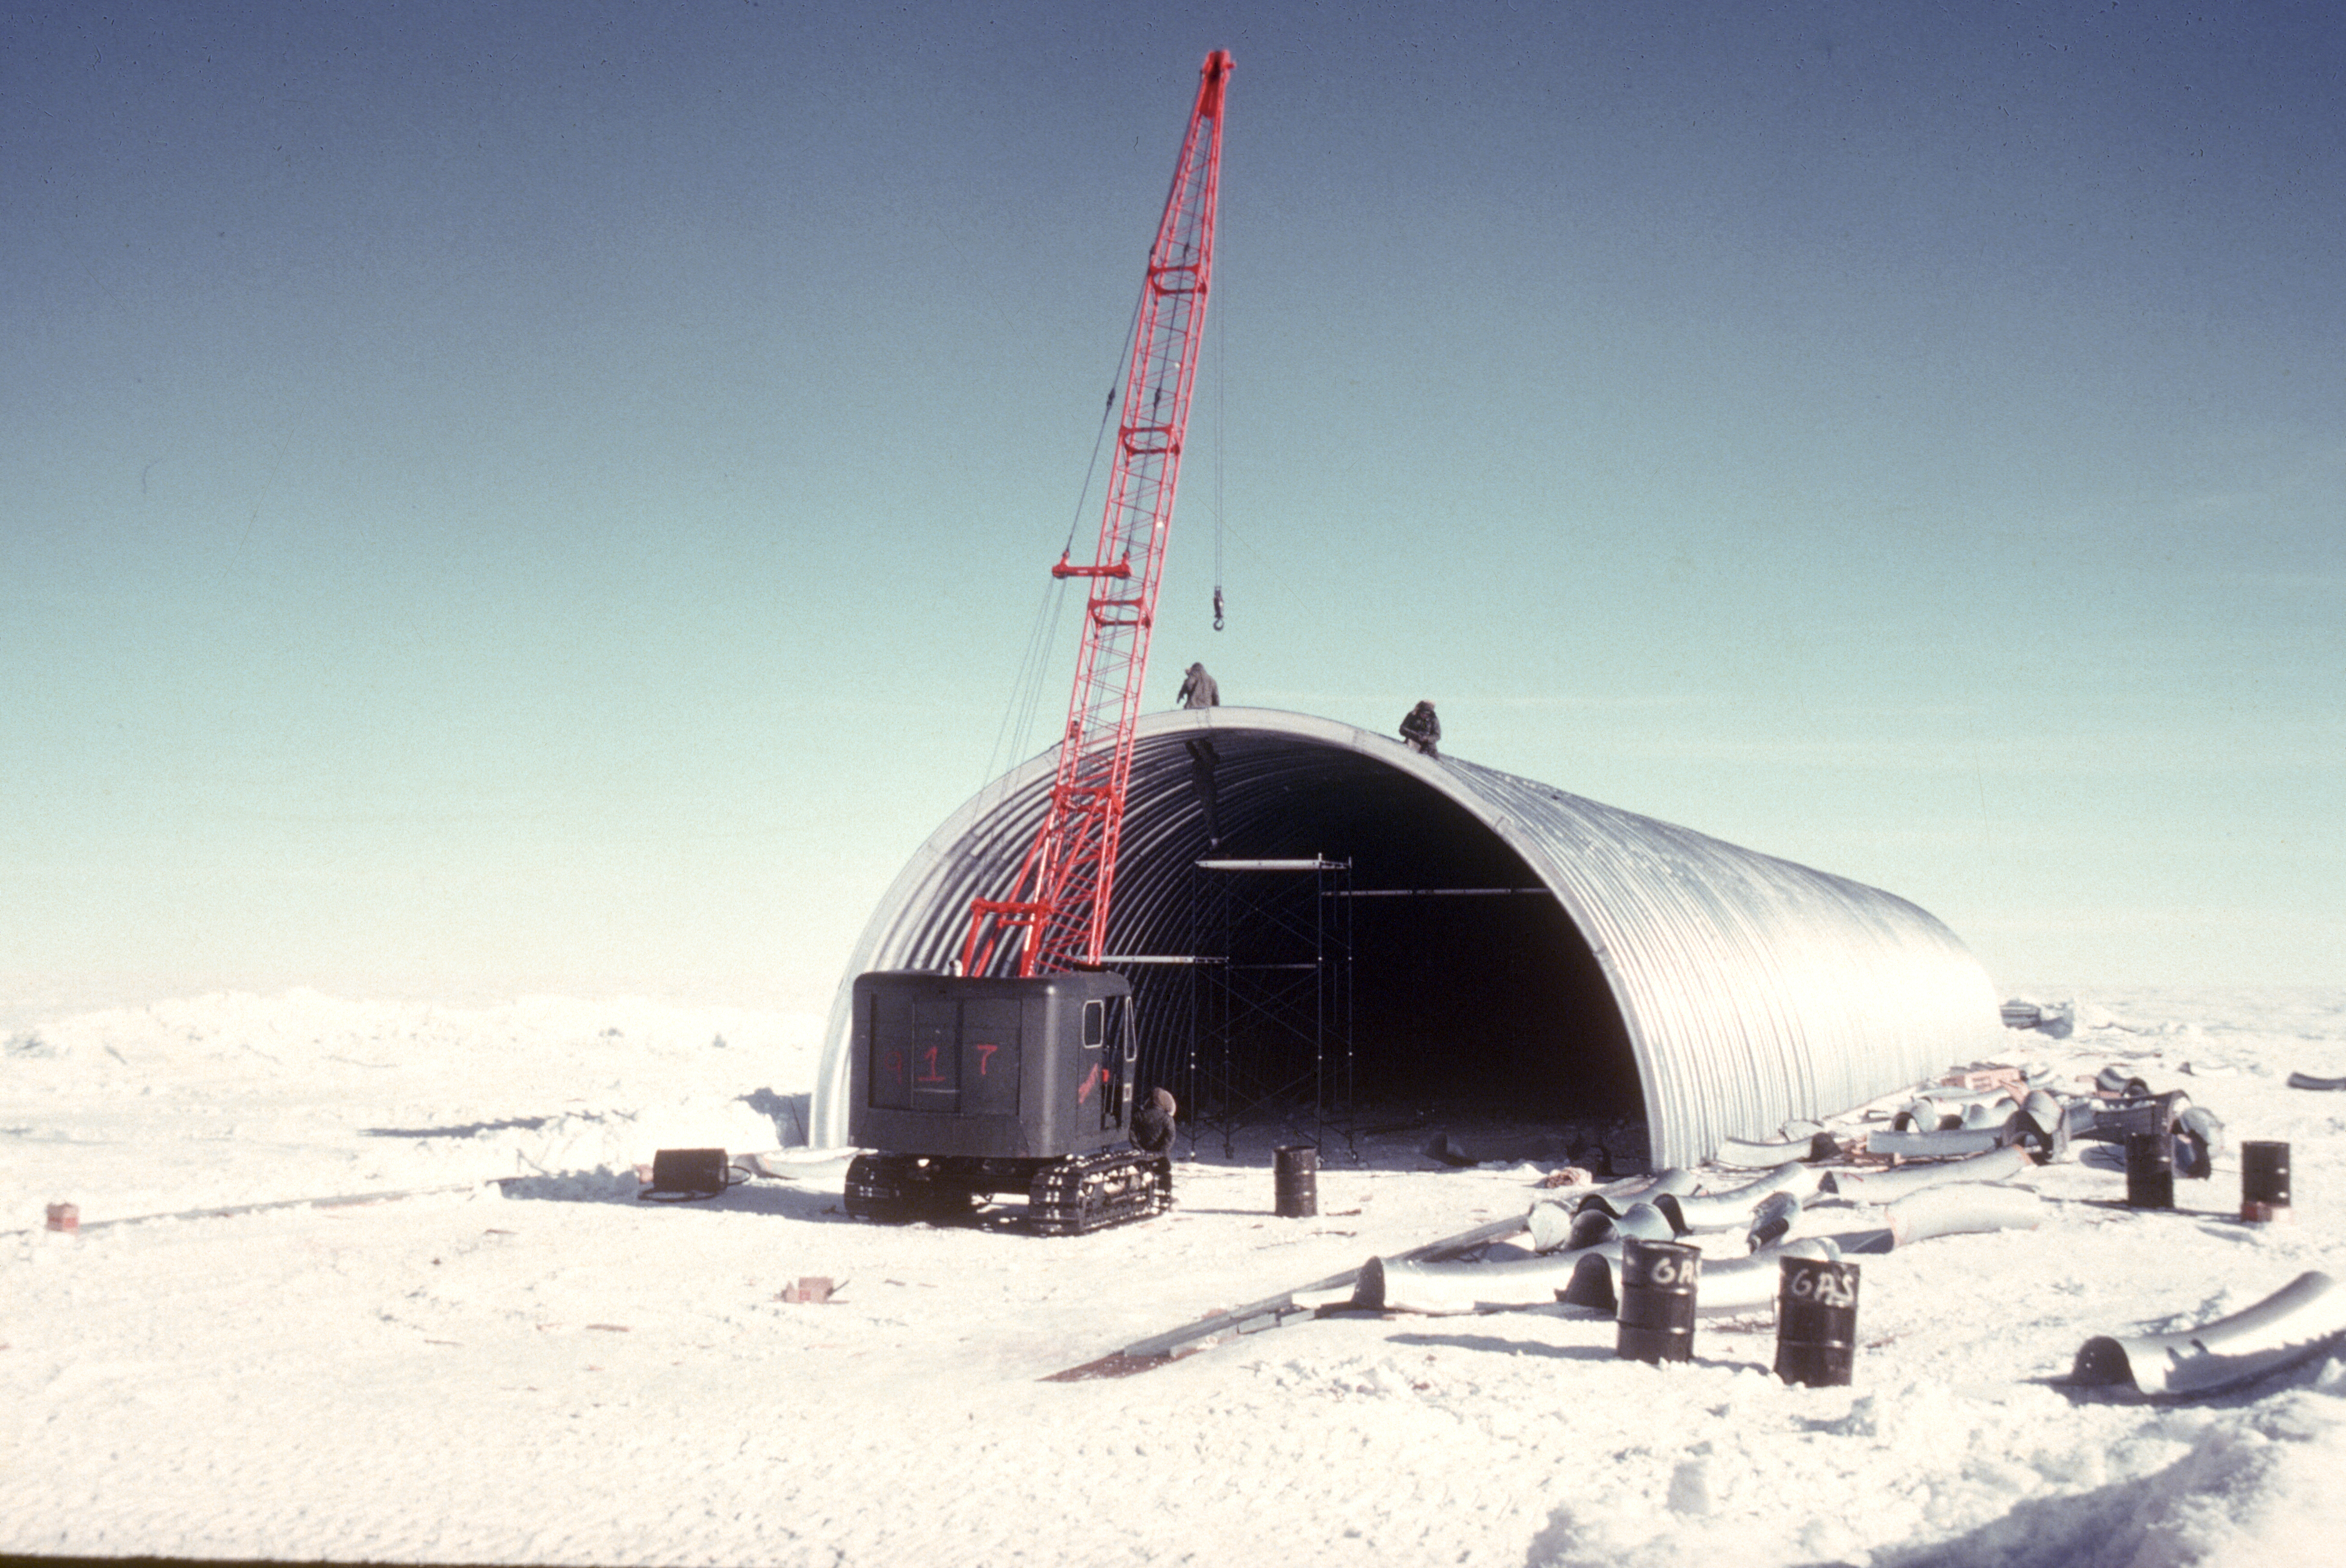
[(1484, 1004)]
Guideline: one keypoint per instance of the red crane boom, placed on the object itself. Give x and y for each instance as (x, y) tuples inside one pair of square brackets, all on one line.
[(1057, 908)]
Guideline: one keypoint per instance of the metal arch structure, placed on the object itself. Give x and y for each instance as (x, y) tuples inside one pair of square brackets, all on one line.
[(1749, 990)]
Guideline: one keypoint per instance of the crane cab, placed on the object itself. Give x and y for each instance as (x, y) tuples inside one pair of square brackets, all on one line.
[(1004, 1069), (968, 1087)]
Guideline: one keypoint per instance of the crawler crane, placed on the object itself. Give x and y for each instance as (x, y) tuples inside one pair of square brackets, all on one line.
[(1015, 1073)]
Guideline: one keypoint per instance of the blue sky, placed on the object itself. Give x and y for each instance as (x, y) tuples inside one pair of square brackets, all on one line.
[(553, 497)]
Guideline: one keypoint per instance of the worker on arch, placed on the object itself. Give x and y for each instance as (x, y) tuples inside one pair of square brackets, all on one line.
[(1421, 729), (1199, 690)]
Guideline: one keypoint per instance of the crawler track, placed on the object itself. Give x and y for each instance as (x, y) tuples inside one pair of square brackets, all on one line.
[(1067, 1196), (1090, 1192)]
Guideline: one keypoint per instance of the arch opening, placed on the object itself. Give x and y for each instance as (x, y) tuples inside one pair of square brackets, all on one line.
[(1471, 987)]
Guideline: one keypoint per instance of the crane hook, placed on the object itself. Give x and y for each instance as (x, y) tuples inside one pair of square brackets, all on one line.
[(1218, 609)]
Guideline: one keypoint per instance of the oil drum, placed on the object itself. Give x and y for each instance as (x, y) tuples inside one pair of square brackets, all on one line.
[(1295, 1177), (2264, 1180), (1656, 1316), (1816, 1322), (2150, 1170)]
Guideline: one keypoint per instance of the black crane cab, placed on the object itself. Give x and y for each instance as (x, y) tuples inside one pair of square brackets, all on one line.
[(964, 1088)]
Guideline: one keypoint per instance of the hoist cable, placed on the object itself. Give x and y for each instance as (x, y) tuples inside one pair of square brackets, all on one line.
[(1014, 736), (1221, 393)]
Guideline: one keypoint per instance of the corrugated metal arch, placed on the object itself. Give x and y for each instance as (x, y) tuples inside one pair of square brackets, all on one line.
[(1750, 990)]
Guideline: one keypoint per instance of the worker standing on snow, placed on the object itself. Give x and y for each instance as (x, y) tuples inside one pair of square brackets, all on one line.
[(1152, 1124), (1421, 729)]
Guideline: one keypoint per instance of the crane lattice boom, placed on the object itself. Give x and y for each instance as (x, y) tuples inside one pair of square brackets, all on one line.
[(1057, 909)]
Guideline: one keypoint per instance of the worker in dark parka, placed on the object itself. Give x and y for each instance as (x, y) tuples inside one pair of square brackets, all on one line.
[(1421, 729), (1152, 1124), (1199, 690)]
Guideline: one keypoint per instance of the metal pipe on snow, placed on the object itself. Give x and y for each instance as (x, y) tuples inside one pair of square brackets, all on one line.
[(1773, 1219), (1591, 1284), (1957, 1210), (1550, 1224), (1643, 1221), (2042, 1128), (1589, 1276), (1951, 1142), (2293, 1324), (1748, 1284), (1616, 1199), (2198, 1139), (1751, 1155), (1886, 1186), (1442, 1290), (1551, 1220), (1731, 1209), (1925, 1115), (2148, 1114), (1945, 1110), (1441, 1286)]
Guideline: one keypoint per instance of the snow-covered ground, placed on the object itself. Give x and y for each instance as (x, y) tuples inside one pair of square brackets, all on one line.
[(547, 1371)]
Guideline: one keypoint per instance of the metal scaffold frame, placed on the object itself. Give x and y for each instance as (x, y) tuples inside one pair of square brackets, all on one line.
[(1270, 1017)]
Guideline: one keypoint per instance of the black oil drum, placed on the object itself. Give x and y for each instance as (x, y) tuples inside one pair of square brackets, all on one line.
[(1816, 1322), (2150, 1170), (1295, 1174), (1658, 1294), (2264, 1179)]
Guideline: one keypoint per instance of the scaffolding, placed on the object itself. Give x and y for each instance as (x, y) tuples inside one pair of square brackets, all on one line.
[(1270, 997)]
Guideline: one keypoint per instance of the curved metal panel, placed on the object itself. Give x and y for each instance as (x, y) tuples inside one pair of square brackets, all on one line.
[(1750, 990), (2295, 1323)]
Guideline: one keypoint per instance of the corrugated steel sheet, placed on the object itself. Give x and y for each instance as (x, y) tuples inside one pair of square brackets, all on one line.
[(1751, 990)]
